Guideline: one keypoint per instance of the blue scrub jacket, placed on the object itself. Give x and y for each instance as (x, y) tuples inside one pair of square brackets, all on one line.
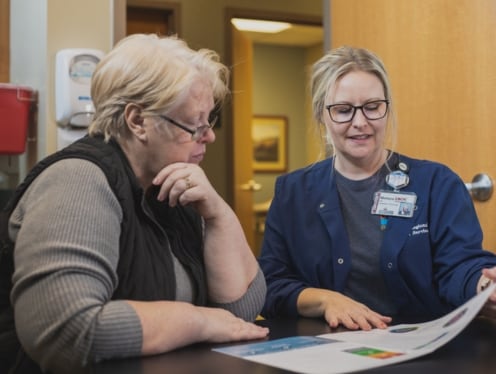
[(431, 262)]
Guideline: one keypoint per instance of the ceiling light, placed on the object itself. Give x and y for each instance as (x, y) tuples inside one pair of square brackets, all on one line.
[(257, 25)]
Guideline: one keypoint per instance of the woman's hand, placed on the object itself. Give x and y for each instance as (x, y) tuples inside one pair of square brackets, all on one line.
[(222, 326), (185, 183), (339, 309), (168, 325)]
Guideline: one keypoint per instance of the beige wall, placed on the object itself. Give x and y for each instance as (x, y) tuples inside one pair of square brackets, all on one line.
[(73, 24), (38, 29)]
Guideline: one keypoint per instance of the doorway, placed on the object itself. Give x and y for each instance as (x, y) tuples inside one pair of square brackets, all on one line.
[(260, 64), (152, 18)]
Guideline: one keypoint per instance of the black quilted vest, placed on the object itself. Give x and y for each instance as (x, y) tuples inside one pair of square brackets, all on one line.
[(148, 229)]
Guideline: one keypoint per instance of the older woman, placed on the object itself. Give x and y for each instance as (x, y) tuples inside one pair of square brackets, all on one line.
[(122, 245), (369, 234)]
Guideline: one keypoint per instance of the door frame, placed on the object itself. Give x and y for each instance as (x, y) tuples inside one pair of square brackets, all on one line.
[(242, 203), (173, 12)]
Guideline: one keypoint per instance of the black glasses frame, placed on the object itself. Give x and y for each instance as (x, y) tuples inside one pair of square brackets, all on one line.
[(329, 107), (196, 133)]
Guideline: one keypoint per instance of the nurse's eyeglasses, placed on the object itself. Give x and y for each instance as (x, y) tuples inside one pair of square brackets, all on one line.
[(342, 113)]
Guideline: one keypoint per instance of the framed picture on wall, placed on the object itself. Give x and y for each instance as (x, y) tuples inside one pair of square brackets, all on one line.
[(270, 143)]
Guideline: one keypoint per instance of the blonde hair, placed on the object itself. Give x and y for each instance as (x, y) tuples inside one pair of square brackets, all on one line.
[(327, 71), (153, 72)]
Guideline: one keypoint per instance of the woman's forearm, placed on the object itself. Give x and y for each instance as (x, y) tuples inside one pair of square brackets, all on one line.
[(230, 263)]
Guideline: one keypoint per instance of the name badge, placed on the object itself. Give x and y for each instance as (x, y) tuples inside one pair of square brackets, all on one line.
[(394, 203)]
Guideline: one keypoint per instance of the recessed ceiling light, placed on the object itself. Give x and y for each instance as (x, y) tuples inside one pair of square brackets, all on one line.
[(257, 25)]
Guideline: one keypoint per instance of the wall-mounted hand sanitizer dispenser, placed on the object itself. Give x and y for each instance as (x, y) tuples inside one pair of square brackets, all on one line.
[(73, 104)]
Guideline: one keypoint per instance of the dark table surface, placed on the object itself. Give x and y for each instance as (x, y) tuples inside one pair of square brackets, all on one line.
[(471, 352)]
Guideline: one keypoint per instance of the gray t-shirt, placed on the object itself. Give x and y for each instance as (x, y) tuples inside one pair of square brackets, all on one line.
[(365, 282)]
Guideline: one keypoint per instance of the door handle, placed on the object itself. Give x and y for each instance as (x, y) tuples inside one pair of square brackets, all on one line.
[(251, 185), (481, 187)]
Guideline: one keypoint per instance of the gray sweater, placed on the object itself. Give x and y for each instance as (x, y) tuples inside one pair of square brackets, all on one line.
[(67, 248)]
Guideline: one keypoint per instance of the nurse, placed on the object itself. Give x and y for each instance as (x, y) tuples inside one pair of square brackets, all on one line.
[(369, 234)]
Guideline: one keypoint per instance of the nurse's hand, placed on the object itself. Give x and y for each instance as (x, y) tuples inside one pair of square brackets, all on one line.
[(489, 309), (339, 309)]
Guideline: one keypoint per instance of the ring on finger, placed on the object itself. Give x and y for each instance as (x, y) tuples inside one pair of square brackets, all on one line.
[(188, 183)]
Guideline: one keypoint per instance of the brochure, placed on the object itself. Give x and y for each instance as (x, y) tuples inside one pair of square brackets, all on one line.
[(350, 351)]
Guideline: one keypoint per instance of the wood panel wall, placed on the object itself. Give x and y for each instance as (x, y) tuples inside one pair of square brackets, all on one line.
[(4, 40), (441, 58)]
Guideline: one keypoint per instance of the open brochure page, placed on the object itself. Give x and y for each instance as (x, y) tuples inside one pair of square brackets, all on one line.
[(350, 351), (426, 336)]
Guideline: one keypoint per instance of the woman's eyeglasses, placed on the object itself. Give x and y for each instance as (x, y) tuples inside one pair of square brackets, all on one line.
[(197, 133)]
